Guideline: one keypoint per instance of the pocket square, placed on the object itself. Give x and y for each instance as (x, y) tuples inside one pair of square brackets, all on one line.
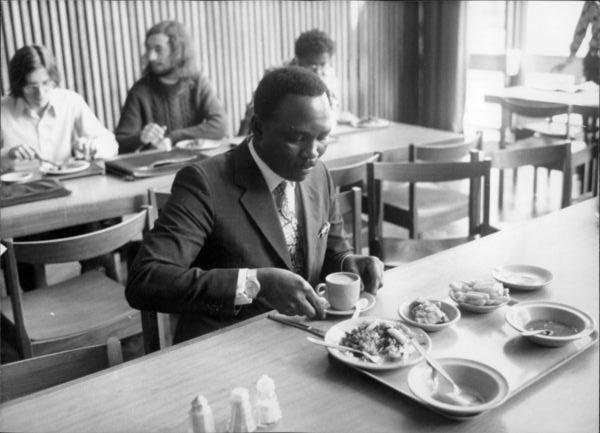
[(324, 230)]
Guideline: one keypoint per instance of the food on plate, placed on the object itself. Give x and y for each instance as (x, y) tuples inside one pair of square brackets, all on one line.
[(374, 339), (427, 312), (479, 292)]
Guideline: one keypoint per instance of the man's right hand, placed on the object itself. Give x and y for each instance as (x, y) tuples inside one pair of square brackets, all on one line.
[(289, 293), (22, 152), (152, 133)]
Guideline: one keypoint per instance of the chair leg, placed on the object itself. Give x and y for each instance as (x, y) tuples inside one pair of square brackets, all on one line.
[(500, 189), (112, 265)]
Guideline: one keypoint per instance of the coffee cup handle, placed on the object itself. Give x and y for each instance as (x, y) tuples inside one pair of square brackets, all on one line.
[(320, 289)]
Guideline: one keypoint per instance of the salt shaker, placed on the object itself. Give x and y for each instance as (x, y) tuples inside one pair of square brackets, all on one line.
[(267, 405), (201, 416), (241, 419)]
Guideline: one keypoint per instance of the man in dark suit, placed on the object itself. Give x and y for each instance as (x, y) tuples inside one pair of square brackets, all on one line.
[(255, 228)]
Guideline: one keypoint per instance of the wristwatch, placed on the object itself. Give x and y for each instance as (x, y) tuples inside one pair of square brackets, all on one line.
[(251, 286)]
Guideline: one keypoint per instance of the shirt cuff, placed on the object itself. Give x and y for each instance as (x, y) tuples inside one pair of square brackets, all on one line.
[(240, 292)]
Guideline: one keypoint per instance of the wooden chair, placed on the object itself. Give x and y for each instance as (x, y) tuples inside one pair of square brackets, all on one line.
[(437, 205), (394, 251), (554, 157), (34, 374), (546, 132), (83, 310), (158, 329), (350, 203)]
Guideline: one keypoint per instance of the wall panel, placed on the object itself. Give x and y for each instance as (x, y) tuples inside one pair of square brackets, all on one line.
[(99, 45)]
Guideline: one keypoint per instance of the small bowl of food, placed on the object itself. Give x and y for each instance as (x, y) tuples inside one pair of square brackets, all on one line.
[(429, 314), (481, 387), (479, 296), (549, 324)]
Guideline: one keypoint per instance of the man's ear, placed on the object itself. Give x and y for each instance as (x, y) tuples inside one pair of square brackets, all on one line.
[(256, 126)]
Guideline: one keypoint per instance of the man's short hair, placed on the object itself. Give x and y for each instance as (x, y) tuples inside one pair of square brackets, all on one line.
[(313, 42), (26, 60), (278, 83), (180, 43)]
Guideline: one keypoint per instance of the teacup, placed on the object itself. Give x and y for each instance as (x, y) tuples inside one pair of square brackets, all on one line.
[(341, 289)]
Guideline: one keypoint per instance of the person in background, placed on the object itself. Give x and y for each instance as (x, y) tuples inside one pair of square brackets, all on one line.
[(590, 15), (40, 120), (313, 50), (172, 101), (254, 228)]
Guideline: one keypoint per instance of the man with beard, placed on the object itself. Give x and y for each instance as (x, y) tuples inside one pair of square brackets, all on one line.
[(172, 101), (255, 228)]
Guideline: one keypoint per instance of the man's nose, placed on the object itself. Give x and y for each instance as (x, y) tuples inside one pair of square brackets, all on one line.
[(152, 55), (311, 151)]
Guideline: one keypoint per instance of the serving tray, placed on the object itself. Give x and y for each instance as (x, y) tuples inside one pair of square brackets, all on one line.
[(520, 361)]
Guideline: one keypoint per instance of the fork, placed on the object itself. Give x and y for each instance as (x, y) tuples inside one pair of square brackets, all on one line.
[(375, 359)]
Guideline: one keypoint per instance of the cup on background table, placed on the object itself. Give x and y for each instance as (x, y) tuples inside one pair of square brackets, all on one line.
[(341, 289)]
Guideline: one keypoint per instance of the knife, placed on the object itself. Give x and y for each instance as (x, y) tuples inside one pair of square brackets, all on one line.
[(315, 331)]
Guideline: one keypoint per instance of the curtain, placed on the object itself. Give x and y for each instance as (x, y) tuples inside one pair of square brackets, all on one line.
[(442, 64)]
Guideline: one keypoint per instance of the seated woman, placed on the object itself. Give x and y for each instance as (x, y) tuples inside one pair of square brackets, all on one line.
[(40, 120)]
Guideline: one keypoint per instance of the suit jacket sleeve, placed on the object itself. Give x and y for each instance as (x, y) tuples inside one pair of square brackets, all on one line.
[(337, 240), (163, 276)]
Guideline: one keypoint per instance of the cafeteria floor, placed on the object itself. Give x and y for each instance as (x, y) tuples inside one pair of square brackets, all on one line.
[(518, 206)]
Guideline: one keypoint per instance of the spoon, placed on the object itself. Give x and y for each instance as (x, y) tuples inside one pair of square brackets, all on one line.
[(405, 339), (375, 359), (360, 305), (536, 332)]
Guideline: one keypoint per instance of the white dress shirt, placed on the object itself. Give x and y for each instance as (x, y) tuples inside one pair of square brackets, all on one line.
[(66, 119)]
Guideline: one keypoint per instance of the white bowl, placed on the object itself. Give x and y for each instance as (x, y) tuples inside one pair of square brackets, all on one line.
[(451, 311), (480, 309), (523, 314), (523, 277), (16, 177), (472, 376)]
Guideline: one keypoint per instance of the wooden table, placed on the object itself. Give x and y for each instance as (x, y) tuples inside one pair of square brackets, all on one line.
[(579, 101), (100, 197), (153, 393)]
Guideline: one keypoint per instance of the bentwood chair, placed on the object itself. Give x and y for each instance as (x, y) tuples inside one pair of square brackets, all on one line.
[(81, 311), (395, 251), (34, 374), (436, 204), (158, 329)]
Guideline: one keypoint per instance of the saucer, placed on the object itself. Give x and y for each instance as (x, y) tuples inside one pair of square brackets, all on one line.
[(16, 177), (366, 295), (523, 277)]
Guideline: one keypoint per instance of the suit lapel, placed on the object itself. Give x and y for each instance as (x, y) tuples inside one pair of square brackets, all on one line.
[(257, 201), (310, 198)]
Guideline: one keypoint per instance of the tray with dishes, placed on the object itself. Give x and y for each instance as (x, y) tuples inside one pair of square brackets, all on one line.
[(152, 163), (495, 349)]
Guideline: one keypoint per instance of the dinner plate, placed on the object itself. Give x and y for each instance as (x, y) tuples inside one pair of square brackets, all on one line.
[(523, 277), (66, 168), (199, 144), (338, 331), (363, 295), (16, 177)]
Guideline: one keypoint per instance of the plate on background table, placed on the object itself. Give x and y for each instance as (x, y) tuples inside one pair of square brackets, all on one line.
[(16, 177), (366, 295), (65, 168), (199, 144), (523, 277), (335, 334)]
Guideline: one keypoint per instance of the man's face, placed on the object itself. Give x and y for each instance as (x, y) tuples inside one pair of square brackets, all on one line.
[(37, 88), (292, 141), (316, 62), (158, 54)]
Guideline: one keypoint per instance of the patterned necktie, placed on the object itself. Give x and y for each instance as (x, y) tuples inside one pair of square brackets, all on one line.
[(285, 201)]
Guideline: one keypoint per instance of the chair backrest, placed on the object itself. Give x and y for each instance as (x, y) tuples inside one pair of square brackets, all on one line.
[(454, 149), (81, 247), (554, 157), (350, 171), (475, 170), (34, 374), (350, 202)]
